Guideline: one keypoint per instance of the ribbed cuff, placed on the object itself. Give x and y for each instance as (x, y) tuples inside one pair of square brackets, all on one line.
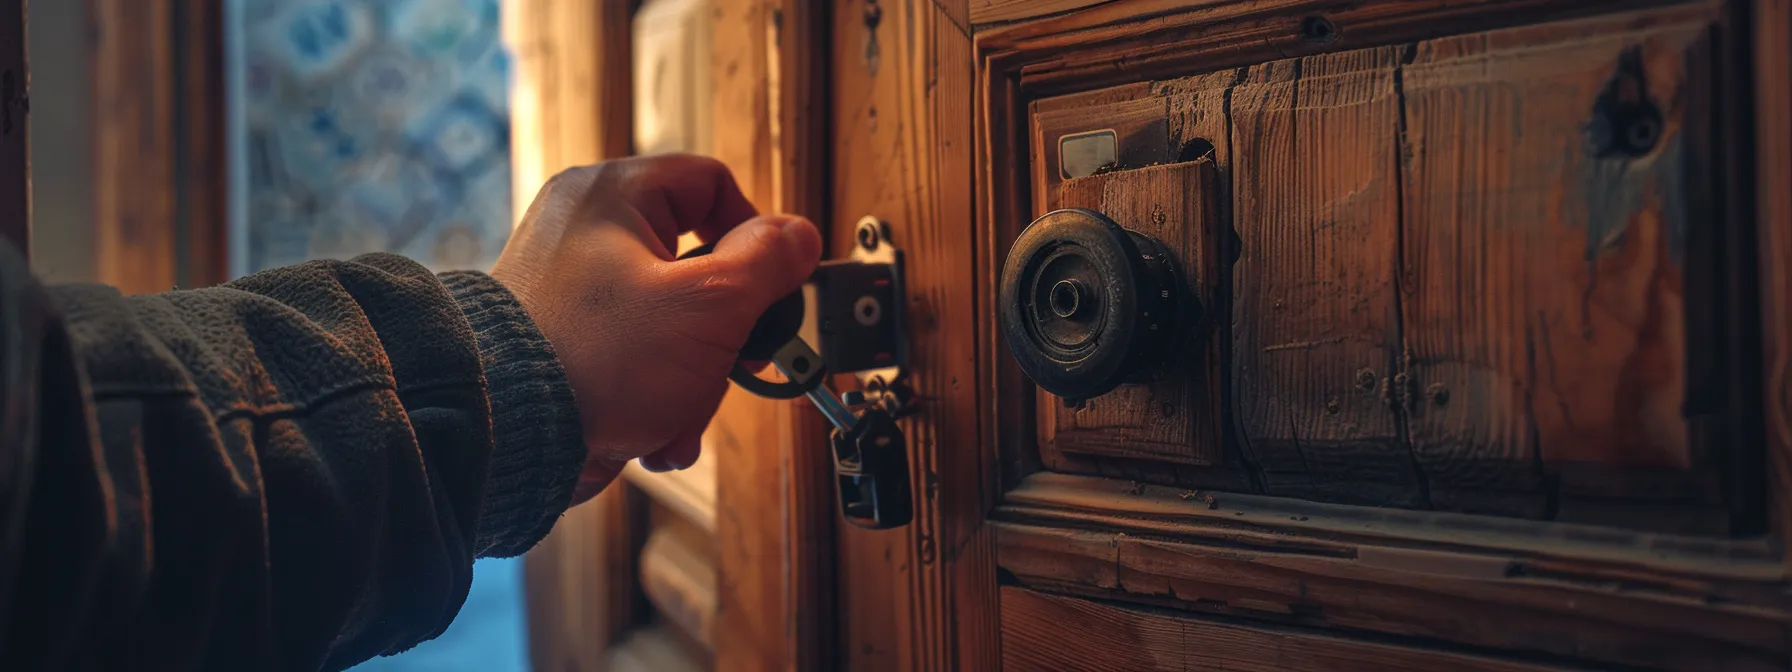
[(537, 445)]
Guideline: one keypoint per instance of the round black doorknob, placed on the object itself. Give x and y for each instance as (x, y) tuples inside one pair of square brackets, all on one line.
[(1085, 305)]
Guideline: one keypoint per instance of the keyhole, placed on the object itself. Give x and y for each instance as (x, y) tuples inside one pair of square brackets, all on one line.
[(1066, 298)]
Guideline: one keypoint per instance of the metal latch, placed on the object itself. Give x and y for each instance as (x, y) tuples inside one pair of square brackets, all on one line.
[(860, 326)]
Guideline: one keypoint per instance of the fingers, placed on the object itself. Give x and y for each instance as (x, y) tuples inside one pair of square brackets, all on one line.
[(678, 455), (679, 193), (758, 262)]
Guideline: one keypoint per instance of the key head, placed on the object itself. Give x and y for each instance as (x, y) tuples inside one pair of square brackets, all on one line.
[(776, 327)]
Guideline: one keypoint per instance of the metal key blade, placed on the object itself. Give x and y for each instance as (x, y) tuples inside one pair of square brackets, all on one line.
[(798, 362)]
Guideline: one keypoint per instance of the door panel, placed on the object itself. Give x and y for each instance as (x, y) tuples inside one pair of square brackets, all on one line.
[(1316, 325), (1049, 633), (1174, 418), (1557, 181), (1441, 294)]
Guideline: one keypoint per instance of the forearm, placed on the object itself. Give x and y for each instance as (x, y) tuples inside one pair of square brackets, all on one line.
[(294, 471)]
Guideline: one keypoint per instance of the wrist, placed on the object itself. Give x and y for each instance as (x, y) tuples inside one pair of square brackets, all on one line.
[(538, 449)]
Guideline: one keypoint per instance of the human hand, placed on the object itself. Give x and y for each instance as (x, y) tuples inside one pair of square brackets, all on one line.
[(646, 341)]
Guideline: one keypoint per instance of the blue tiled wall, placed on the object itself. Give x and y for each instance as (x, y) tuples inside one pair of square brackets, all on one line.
[(381, 125), (374, 125)]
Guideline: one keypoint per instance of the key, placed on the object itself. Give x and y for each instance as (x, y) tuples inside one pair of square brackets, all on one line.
[(870, 453)]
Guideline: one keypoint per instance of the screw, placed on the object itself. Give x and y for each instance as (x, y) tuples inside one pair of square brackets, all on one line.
[(1642, 132), (1439, 394), (1332, 407), (1168, 409), (1365, 380), (867, 238)]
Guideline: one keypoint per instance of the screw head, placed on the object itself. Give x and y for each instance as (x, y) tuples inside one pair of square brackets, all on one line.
[(1365, 379), (1439, 394)]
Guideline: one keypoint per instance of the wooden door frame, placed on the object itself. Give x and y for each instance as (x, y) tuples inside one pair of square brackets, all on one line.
[(953, 64), (774, 489), (160, 187), (922, 597)]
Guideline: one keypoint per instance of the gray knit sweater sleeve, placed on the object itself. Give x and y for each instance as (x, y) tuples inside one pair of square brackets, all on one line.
[(291, 472), (536, 445)]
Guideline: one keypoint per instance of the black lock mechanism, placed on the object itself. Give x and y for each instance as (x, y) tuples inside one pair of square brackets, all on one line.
[(1087, 306), (860, 327)]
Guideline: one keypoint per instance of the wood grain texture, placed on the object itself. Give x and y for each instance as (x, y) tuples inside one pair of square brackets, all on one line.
[(1772, 20), (1547, 309), (571, 100), (570, 107), (678, 576), (1461, 597), (135, 187), (774, 489), (15, 129), (579, 584), (159, 182), (1050, 632), (1315, 334), (1117, 42), (200, 168), (921, 597), (1732, 569), (999, 11), (1175, 419)]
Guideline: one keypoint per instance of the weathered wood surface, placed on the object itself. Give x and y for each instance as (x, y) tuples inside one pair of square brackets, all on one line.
[(15, 129), (580, 584), (1772, 20), (1176, 419), (1396, 275), (984, 12), (135, 186), (774, 488), (571, 103), (1558, 195), (1315, 336), (1467, 598), (1116, 42), (1049, 633), (922, 597)]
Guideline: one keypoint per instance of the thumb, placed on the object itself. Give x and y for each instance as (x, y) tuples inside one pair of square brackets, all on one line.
[(763, 259)]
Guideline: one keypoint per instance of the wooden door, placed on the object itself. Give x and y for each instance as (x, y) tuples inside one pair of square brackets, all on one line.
[(1473, 302)]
